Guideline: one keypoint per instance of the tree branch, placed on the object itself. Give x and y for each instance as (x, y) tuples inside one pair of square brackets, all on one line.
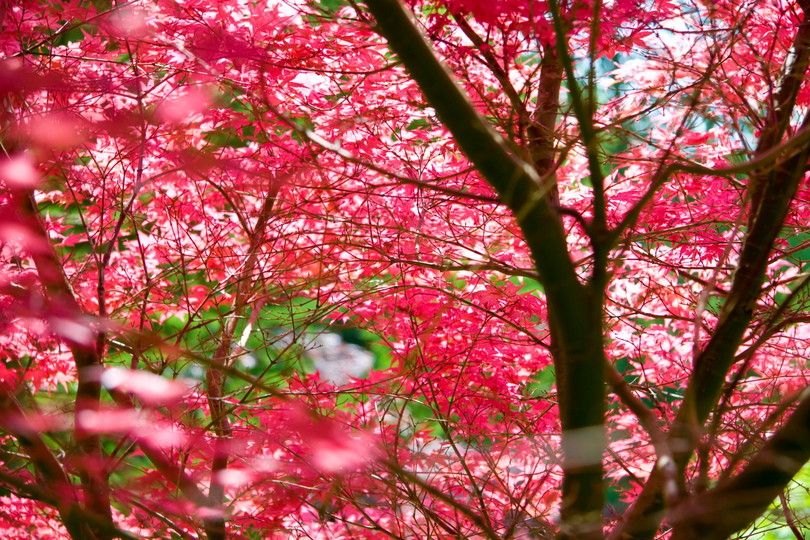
[(717, 357), (63, 305), (574, 309), (50, 472), (737, 502)]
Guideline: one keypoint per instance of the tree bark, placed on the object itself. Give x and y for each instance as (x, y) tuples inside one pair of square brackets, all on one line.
[(736, 503), (62, 304), (574, 309)]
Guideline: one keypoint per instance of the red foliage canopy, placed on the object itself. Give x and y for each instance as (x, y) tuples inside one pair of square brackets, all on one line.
[(317, 268)]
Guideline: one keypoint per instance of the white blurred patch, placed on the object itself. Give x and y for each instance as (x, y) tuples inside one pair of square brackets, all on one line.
[(248, 361), (338, 361), (583, 446), (73, 330)]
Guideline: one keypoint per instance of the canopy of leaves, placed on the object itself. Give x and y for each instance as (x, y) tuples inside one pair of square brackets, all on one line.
[(253, 283)]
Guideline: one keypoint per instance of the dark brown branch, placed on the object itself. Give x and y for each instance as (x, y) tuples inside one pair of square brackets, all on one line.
[(541, 132), (772, 190), (717, 357), (574, 309), (737, 502), (63, 305), (780, 113), (170, 471), (790, 517), (492, 63), (215, 378), (49, 471)]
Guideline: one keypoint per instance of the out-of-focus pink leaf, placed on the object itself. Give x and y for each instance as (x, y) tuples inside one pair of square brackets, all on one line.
[(108, 420), (17, 233), (151, 389), (205, 512), (264, 464), (178, 109), (137, 424), (19, 172), (54, 131), (333, 447), (33, 422), (160, 435), (72, 330), (127, 22), (335, 451), (16, 77), (234, 478)]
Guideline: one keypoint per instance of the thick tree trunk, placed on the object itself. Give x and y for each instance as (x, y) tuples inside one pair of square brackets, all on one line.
[(574, 309), (63, 304)]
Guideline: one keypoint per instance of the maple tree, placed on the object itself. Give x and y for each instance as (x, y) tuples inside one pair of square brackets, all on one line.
[(319, 268)]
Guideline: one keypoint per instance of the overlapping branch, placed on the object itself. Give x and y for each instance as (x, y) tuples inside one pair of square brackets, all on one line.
[(574, 309)]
